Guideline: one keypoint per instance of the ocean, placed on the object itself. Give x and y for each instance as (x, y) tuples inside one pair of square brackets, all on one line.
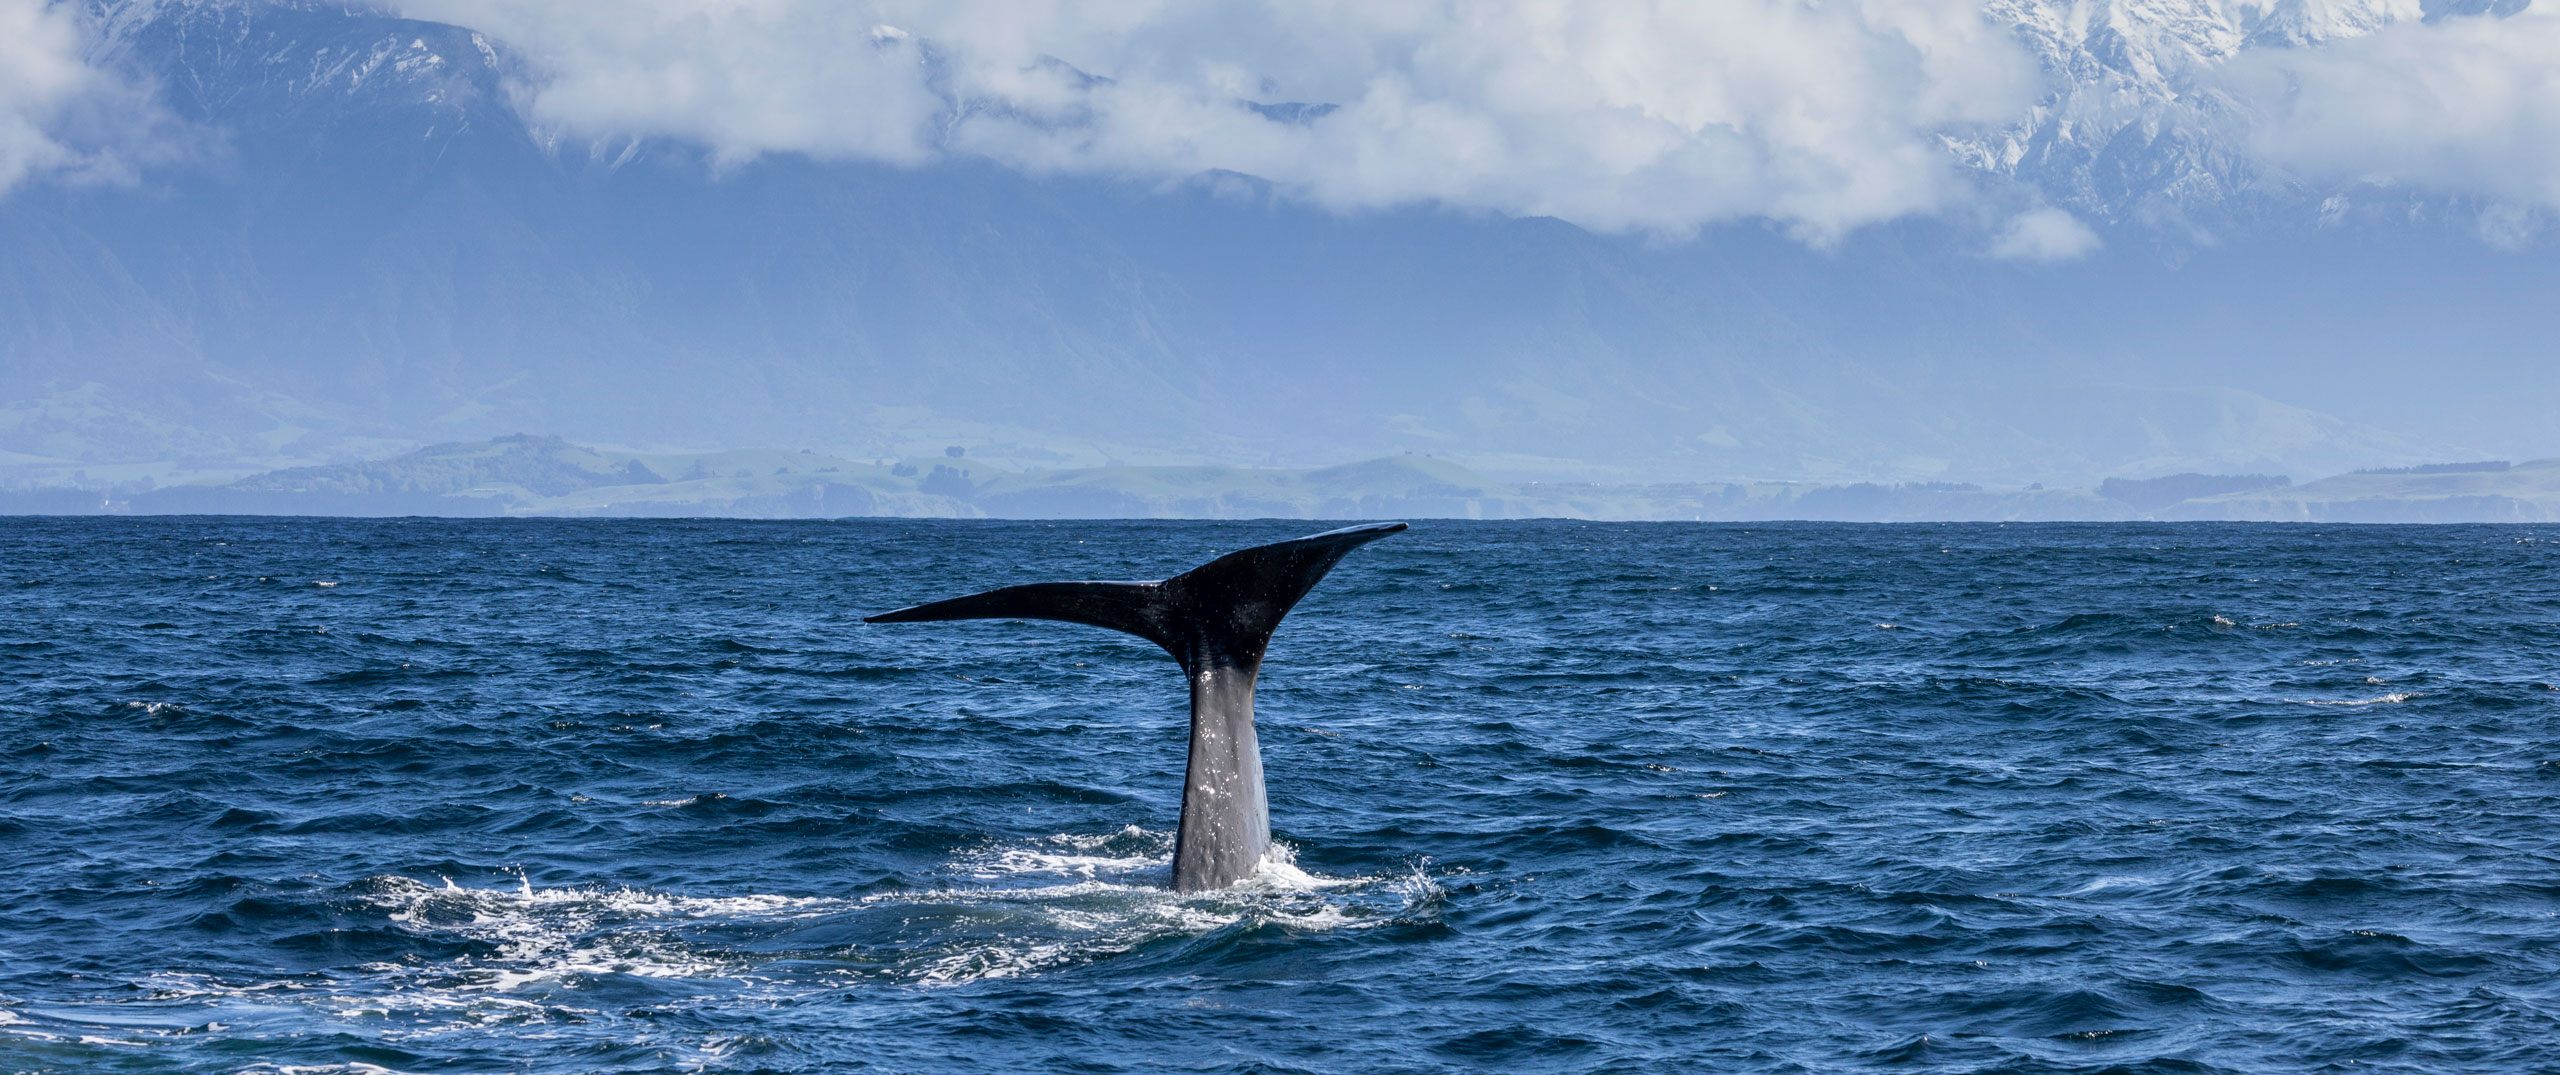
[(294, 795)]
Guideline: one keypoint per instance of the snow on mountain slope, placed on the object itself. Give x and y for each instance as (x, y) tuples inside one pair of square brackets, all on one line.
[(2134, 125), (2143, 123)]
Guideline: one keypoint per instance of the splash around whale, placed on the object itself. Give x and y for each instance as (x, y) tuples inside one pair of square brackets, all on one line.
[(1216, 619)]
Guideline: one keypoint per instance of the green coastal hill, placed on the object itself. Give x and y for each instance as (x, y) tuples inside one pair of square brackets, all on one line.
[(527, 475)]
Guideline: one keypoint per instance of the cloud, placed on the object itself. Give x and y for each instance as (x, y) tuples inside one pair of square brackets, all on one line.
[(743, 77), (2044, 235), (66, 118), (42, 76), (1646, 116), (1657, 116), (2465, 105)]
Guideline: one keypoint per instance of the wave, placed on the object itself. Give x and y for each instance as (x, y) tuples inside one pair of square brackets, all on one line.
[(1078, 898), (534, 956)]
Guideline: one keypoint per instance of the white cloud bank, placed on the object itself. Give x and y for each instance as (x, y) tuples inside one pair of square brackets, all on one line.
[(1629, 115), (2464, 105), (2046, 234), (66, 118), (42, 77)]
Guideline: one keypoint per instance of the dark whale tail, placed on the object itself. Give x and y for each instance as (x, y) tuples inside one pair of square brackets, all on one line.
[(1215, 619)]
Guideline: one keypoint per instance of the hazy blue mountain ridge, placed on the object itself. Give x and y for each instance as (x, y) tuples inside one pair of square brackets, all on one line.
[(522, 475)]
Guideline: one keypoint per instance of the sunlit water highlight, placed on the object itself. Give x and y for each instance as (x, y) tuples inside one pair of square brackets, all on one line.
[(286, 795)]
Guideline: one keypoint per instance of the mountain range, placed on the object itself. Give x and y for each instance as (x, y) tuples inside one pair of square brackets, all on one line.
[(531, 476), (360, 246)]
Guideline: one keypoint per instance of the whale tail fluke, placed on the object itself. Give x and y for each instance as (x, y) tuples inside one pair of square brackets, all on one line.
[(1135, 607), (1220, 613), (1216, 619)]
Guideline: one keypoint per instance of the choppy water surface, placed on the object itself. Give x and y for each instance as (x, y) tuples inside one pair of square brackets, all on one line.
[(291, 795)]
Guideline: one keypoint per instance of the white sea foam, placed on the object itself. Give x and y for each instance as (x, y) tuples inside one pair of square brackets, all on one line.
[(2387, 699), (544, 935), (1077, 898), (2104, 884), (1009, 910), (178, 985), (1122, 855)]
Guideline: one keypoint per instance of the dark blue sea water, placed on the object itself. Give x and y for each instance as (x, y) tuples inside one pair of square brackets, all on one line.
[(568, 796)]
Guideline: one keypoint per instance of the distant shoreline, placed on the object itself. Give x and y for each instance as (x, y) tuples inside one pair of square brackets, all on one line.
[(533, 476)]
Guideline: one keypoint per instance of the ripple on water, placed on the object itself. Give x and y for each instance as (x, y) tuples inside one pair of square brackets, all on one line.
[(600, 795)]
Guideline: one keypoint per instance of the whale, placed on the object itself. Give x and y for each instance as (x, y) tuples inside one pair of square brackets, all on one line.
[(1216, 620)]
